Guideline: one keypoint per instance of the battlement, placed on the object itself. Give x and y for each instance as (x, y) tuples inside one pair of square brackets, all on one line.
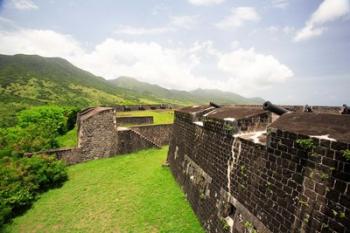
[(244, 168)]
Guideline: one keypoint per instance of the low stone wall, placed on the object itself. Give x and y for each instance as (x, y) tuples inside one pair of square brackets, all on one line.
[(68, 155), (134, 120), (160, 134), (129, 141), (124, 108)]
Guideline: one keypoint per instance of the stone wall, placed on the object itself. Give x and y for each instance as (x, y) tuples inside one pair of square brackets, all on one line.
[(135, 120), (236, 182), (99, 137), (123, 108), (97, 133), (160, 134), (68, 155), (129, 141)]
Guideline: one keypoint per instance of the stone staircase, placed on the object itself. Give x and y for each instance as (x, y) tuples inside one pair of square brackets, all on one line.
[(146, 139)]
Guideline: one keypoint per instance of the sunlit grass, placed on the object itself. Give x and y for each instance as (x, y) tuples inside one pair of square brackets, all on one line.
[(69, 139), (161, 116), (131, 193)]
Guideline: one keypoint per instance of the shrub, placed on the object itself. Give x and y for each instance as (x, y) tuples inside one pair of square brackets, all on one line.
[(71, 114), (21, 181), (346, 154), (48, 118), (306, 144), (37, 129)]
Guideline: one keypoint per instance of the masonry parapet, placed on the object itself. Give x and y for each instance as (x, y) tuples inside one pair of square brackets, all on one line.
[(244, 169)]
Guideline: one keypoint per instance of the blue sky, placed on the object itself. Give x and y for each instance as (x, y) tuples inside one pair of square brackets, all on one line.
[(287, 51)]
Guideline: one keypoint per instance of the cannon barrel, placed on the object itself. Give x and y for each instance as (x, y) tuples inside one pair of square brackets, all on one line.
[(214, 105), (274, 108)]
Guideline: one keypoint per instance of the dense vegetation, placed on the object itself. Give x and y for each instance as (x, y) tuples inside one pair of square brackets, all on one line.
[(23, 179), (131, 193), (36, 129)]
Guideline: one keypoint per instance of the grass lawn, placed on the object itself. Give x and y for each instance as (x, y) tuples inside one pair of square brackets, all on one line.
[(160, 116), (131, 193), (69, 139)]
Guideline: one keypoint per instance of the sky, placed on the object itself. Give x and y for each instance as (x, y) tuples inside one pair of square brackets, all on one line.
[(285, 51)]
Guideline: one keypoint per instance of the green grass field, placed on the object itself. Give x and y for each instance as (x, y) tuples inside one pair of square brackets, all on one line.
[(131, 193), (159, 116), (69, 139)]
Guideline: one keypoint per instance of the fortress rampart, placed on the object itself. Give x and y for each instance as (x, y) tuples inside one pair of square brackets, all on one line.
[(100, 136), (244, 169)]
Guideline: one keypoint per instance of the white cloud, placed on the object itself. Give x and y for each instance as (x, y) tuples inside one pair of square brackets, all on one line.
[(42, 42), (242, 71), (24, 4), (238, 17), (184, 21), (287, 30), (234, 44), (280, 3), (253, 69), (205, 2), (123, 29), (273, 29), (328, 11)]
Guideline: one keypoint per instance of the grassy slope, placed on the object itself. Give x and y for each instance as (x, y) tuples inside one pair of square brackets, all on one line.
[(35, 80), (69, 139), (159, 116), (132, 193)]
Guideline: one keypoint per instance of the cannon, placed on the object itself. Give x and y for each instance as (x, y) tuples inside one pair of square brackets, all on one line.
[(214, 105), (274, 108), (307, 108), (126, 108), (345, 110)]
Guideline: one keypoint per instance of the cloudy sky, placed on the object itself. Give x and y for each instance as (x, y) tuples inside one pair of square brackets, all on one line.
[(287, 51)]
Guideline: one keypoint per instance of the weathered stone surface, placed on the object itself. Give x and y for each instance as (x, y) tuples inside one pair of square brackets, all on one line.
[(135, 120), (274, 187), (99, 137)]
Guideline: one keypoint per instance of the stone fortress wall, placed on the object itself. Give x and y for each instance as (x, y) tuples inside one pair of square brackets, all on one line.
[(100, 136), (244, 169), (135, 120)]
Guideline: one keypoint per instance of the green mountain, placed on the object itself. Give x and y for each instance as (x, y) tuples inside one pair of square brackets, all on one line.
[(37, 80), (27, 80), (196, 96)]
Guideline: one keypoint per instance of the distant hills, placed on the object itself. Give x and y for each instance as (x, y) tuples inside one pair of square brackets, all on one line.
[(36, 80), (196, 96)]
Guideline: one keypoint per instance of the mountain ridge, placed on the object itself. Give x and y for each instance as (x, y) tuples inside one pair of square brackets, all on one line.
[(197, 96), (36, 80)]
